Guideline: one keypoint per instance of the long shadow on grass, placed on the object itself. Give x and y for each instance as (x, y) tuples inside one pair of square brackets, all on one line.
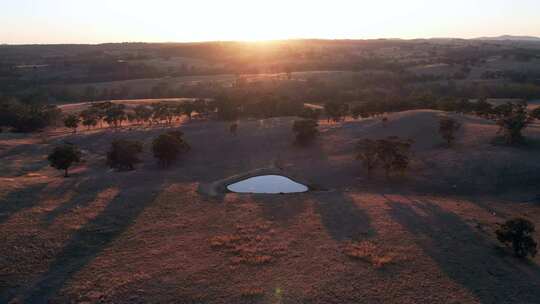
[(90, 241), (87, 191), (342, 218), (466, 257), (19, 200), (281, 208)]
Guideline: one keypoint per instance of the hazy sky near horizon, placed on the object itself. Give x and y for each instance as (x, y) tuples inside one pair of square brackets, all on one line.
[(97, 21)]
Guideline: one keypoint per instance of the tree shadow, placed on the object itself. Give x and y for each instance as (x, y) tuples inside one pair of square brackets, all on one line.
[(89, 241), (342, 218), (86, 193), (466, 257), (19, 200), (282, 208)]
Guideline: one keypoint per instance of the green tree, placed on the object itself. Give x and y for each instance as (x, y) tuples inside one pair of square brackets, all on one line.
[(101, 109), (143, 113), (24, 117), (393, 153), (483, 108), (535, 114), (124, 154), (448, 128), (62, 157), (336, 110), (89, 117), (514, 122), (72, 121), (518, 233), (115, 115), (227, 109), (201, 107), (167, 147), (310, 113), (366, 151), (233, 128), (163, 111), (188, 108), (360, 110), (305, 130)]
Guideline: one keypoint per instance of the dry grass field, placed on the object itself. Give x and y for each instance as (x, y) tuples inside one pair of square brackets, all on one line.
[(149, 235)]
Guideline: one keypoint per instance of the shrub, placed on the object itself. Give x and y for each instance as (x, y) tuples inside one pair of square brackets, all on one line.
[(115, 114), (384, 121), (164, 111), (72, 122), (188, 108), (27, 117), (360, 110), (393, 153), (62, 157), (143, 113), (90, 117), (227, 109), (482, 107), (535, 114), (448, 128), (366, 151), (336, 110), (201, 107), (517, 233), (168, 146), (306, 130), (123, 154), (233, 128), (513, 122), (309, 113), (101, 109)]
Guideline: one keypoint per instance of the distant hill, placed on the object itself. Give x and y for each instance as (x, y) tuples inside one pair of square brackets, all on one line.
[(510, 38)]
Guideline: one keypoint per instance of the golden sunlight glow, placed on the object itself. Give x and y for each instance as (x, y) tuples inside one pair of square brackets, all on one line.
[(203, 20)]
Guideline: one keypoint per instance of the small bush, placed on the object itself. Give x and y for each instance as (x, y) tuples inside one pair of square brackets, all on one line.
[(233, 128), (115, 114), (168, 146), (309, 113), (28, 117), (366, 151), (448, 128), (123, 154), (517, 233), (336, 110), (90, 117), (513, 122), (72, 122), (306, 130), (62, 157), (392, 153), (143, 113), (535, 114)]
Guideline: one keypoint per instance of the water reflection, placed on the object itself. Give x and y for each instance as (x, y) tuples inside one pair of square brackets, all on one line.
[(267, 184)]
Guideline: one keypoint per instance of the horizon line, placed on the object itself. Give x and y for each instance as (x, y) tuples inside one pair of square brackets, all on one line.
[(274, 40)]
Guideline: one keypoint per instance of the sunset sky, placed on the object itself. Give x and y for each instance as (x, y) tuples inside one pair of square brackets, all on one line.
[(97, 21)]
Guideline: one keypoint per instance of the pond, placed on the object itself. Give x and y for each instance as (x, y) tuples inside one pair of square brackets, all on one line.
[(267, 184)]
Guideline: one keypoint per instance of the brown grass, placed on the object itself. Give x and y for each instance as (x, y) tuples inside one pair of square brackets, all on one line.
[(368, 252), (250, 244), (253, 292)]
